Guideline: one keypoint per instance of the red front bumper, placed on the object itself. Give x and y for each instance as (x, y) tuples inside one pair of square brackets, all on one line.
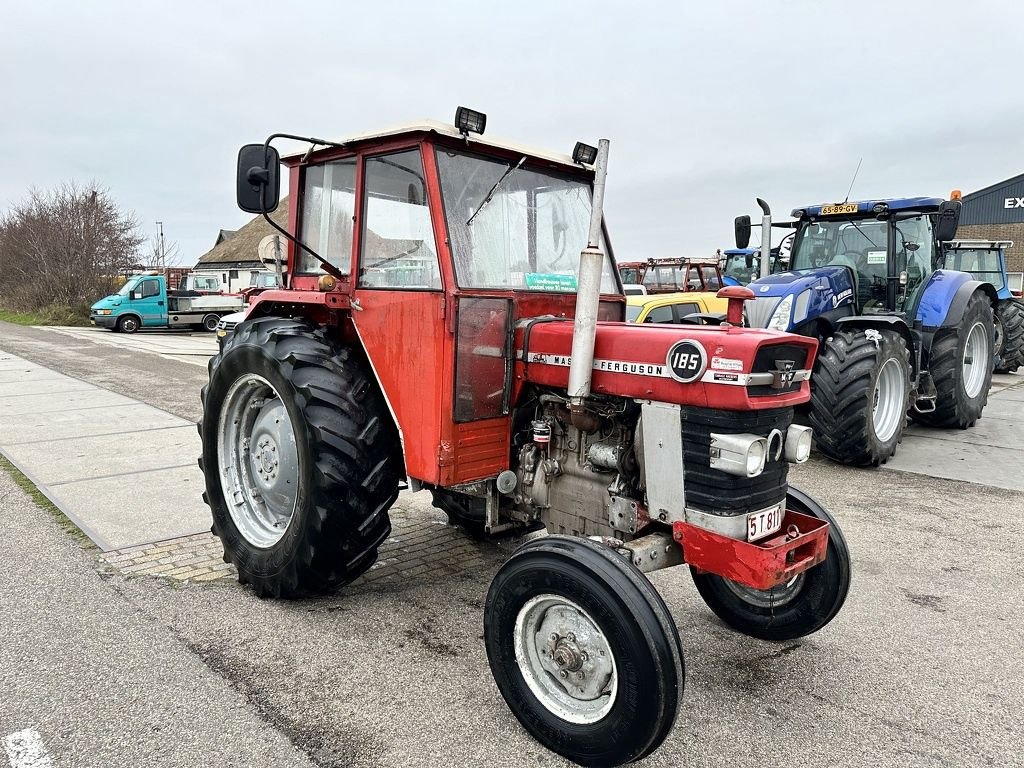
[(798, 546)]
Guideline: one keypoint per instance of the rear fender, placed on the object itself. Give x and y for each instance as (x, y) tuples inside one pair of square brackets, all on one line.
[(886, 323), (945, 298)]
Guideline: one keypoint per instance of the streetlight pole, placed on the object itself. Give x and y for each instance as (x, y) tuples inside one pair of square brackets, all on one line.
[(162, 255)]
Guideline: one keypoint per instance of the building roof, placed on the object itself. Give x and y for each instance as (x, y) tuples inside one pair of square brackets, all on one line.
[(444, 129), (242, 246), (991, 187), (224, 234)]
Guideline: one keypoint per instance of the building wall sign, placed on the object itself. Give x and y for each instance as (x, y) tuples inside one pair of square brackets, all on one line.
[(1013, 202)]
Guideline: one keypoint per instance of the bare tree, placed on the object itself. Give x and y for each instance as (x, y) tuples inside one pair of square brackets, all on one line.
[(64, 246), (166, 254)]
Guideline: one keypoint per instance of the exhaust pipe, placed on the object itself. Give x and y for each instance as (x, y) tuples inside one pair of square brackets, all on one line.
[(588, 296), (766, 238)]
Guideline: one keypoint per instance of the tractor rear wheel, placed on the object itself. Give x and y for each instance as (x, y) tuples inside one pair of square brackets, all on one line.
[(300, 456), (961, 368), (860, 393), (797, 608), (1009, 343), (584, 651)]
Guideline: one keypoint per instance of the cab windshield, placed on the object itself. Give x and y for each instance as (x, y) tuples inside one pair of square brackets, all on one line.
[(128, 287), (514, 227), (863, 246)]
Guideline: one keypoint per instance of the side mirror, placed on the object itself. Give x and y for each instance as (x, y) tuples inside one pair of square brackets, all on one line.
[(947, 220), (258, 178), (742, 231)]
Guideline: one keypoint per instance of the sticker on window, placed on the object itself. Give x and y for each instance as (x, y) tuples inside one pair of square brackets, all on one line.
[(540, 281), (876, 257)]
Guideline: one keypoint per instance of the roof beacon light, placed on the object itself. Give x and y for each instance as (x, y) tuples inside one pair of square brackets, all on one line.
[(956, 194), (470, 121), (584, 153)]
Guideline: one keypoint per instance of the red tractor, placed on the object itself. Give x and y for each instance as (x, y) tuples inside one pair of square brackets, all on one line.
[(452, 321), (671, 275)]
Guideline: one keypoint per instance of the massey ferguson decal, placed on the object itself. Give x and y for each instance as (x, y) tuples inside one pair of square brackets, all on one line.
[(609, 366), (686, 361)]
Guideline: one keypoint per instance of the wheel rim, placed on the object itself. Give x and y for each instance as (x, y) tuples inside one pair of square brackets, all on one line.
[(211, 325), (768, 598), (565, 659), (888, 400), (258, 460), (997, 342), (975, 359), (128, 324)]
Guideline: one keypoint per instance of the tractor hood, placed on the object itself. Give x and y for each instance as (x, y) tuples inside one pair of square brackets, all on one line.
[(810, 292), (724, 367)]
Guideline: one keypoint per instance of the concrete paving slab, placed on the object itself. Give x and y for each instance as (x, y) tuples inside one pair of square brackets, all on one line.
[(43, 386), (997, 432), (56, 424), (1003, 409), (28, 373), (67, 401), (972, 462), (126, 510), (89, 458), (1016, 394)]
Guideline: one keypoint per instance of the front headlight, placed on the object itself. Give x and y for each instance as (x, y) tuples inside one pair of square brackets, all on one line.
[(743, 455), (798, 443), (103, 311), (756, 455), (781, 315)]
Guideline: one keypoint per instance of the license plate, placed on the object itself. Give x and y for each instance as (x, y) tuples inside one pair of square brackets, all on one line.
[(764, 523), (838, 209)]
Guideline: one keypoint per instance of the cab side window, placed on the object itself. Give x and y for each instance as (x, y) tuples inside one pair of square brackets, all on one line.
[(687, 308), (660, 315), (149, 288)]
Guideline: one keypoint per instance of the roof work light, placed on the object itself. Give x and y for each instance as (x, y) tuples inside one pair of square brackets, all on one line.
[(470, 121), (584, 153)]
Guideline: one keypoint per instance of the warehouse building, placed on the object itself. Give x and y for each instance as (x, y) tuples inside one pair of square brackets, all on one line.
[(997, 213)]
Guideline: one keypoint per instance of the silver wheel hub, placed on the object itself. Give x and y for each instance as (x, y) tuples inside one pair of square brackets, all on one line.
[(258, 461), (976, 358), (776, 597), (565, 659), (888, 400)]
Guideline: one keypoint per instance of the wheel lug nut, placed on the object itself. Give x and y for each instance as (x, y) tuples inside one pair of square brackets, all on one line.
[(571, 637), (579, 675), (563, 673), (554, 637)]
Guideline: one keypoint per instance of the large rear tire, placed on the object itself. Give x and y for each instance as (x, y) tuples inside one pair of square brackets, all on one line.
[(1009, 329), (584, 651), (860, 393), (300, 456), (961, 363), (795, 609)]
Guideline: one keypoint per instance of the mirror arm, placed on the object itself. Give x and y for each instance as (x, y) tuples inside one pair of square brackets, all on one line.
[(329, 268)]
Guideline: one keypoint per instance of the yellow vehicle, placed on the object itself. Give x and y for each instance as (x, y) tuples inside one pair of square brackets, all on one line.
[(673, 307)]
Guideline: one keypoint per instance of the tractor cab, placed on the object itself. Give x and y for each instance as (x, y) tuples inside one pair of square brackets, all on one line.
[(437, 235)]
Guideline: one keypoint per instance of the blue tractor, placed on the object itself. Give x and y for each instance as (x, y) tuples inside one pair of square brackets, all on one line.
[(898, 333), (986, 260)]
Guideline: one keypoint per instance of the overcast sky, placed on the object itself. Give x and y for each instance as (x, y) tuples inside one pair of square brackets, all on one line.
[(707, 104)]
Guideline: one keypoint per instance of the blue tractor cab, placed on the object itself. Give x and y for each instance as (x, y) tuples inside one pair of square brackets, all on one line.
[(740, 265), (898, 332), (986, 260)]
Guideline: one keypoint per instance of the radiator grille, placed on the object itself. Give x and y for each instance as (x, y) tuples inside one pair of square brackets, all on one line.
[(717, 492), (759, 310)]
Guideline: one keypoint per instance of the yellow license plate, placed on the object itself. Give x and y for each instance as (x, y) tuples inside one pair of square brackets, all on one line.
[(838, 209)]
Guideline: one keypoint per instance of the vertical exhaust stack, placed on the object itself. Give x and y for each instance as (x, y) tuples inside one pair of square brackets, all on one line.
[(588, 294), (766, 238)]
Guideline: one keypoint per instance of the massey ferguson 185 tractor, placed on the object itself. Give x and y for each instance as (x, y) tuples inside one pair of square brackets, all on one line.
[(897, 332), (451, 319)]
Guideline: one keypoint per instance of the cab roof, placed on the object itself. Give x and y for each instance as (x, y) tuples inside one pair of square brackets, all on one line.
[(450, 131), (865, 206)]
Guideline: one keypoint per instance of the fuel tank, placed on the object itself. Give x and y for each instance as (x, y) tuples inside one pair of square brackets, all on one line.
[(706, 366)]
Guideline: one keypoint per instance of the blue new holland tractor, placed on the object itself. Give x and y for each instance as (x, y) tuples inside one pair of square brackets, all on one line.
[(898, 333), (986, 260)]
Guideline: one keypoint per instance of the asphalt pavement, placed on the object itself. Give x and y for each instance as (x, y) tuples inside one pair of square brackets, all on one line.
[(921, 668)]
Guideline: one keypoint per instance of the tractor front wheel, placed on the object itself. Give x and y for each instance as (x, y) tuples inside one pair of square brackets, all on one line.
[(300, 457), (797, 608), (1009, 343), (961, 367), (584, 651), (860, 393)]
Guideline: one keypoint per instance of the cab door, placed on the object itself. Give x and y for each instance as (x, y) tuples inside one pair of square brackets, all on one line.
[(149, 301), (400, 307)]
